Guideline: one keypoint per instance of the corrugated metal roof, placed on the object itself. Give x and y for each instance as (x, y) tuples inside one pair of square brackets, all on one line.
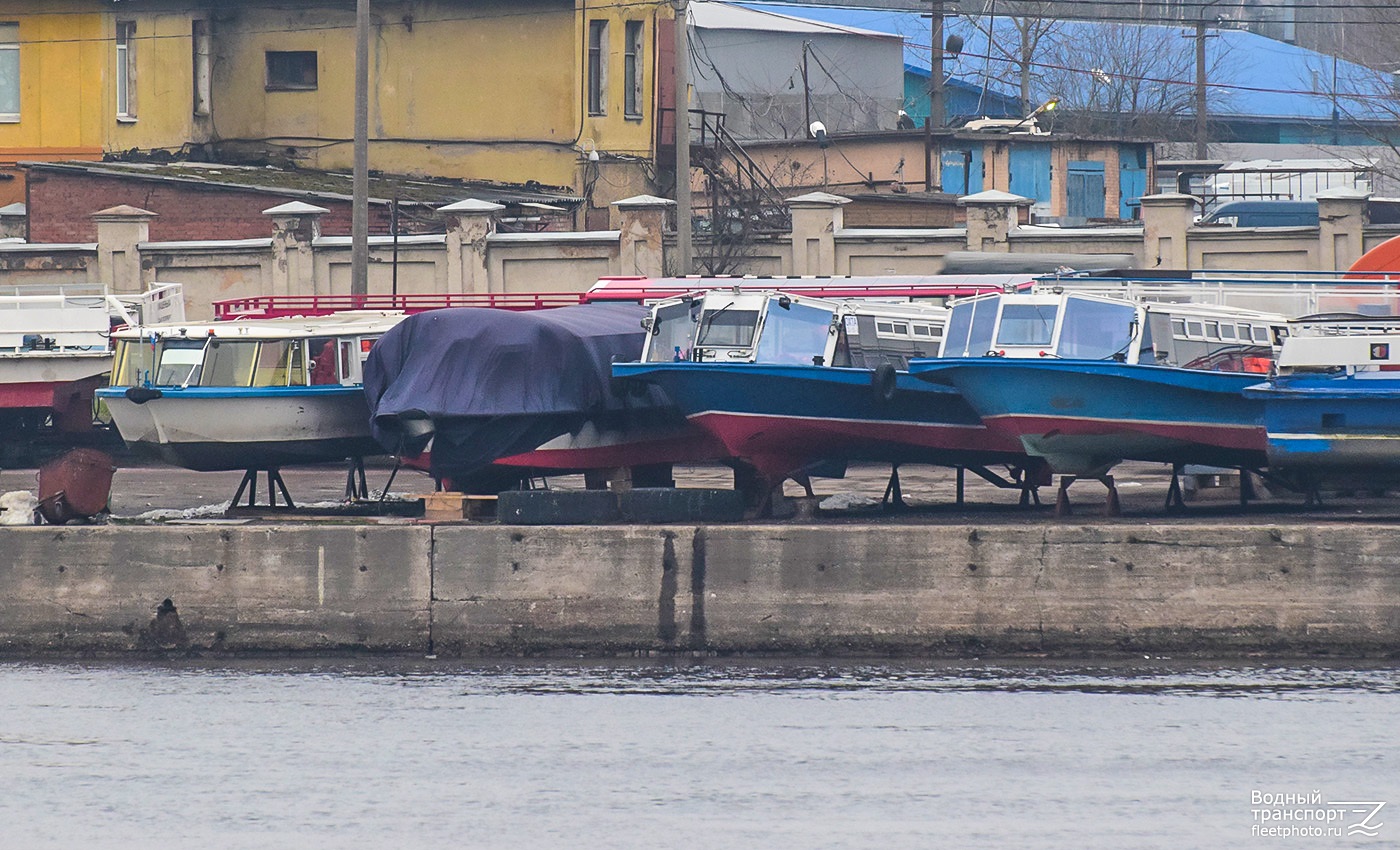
[(707, 14), (1252, 77)]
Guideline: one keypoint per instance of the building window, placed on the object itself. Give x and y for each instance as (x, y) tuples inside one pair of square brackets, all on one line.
[(126, 70), (9, 72), (199, 45), (291, 70), (597, 67), (632, 71)]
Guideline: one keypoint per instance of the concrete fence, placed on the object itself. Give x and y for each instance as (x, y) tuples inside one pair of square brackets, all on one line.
[(916, 589), (472, 257)]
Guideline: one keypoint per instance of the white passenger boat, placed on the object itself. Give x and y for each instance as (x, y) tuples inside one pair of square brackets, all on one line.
[(250, 394)]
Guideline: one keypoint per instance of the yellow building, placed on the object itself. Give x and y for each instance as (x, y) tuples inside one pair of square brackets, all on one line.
[(516, 92)]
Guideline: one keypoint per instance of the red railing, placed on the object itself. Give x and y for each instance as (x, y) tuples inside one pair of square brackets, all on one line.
[(619, 288), (277, 306)]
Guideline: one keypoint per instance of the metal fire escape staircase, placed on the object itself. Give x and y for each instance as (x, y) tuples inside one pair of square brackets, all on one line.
[(743, 199)]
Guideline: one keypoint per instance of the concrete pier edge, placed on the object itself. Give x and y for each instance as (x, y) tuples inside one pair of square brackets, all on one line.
[(914, 590)]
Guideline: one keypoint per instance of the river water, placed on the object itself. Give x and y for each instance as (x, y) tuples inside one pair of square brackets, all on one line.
[(425, 754)]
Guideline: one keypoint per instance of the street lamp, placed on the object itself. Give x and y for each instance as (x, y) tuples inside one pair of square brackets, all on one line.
[(1048, 106)]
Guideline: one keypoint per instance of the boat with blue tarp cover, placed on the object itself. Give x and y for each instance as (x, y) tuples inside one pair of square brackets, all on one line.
[(483, 396)]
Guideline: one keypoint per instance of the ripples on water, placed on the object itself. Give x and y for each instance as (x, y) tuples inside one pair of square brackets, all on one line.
[(582, 755)]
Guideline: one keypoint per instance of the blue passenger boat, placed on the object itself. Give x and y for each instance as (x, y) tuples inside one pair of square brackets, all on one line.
[(1086, 381), (1332, 412), (784, 381)]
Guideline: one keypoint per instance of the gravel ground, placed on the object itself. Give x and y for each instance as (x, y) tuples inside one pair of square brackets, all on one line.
[(929, 491)]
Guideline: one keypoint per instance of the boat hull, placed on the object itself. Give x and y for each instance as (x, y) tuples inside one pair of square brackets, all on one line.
[(1085, 416), (61, 384), (212, 428), (1345, 424), (780, 418)]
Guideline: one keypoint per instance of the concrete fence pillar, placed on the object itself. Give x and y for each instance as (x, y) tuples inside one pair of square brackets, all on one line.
[(816, 219), (1341, 218), (295, 226), (641, 221), (469, 224), (14, 222), (1166, 223), (120, 232), (991, 217)]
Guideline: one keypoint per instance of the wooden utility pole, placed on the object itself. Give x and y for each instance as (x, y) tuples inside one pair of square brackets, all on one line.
[(1202, 134), (933, 159), (359, 204), (685, 258)]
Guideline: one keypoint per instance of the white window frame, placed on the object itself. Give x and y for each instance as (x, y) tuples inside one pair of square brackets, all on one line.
[(126, 71), (200, 47), (634, 51), (8, 47), (597, 67)]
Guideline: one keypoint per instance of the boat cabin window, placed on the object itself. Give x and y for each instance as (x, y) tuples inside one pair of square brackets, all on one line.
[(1195, 329), (672, 328), (970, 326), (124, 367), (1095, 330), (1027, 324), (322, 365), (727, 328), (229, 364), (180, 362), (795, 335), (280, 364), (347, 361), (1227, 332), (1179, 327), (1261, 335)]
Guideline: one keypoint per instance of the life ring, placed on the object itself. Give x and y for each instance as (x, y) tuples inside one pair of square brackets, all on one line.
[(882, 383)]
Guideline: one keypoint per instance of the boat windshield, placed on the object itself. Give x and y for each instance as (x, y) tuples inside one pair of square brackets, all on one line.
[(1095, 330), (727, 328), (796, 334), (1027, 324), (229, 364), (179, 362), (672, 328), (970, 326)]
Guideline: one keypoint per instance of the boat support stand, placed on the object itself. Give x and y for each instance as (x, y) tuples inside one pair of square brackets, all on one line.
[(274, 483), (355, 486), (1111, 508), (893, 500)]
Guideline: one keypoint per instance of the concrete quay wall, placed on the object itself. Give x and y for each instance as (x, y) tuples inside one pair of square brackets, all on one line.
[(902, 588)]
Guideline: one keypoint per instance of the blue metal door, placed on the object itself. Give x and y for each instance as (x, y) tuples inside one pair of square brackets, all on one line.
[(1085, 190), (962, 170), (1030, 172), (1132, 180)]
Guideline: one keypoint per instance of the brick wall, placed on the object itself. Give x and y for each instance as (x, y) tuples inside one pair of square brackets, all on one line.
[(61, 205)]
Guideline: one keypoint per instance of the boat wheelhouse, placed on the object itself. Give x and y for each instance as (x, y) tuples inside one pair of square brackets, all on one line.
[(785, 381), (251, 394)]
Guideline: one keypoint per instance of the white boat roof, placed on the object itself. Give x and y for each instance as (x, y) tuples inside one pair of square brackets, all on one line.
[(892, 308), (347, 323)]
